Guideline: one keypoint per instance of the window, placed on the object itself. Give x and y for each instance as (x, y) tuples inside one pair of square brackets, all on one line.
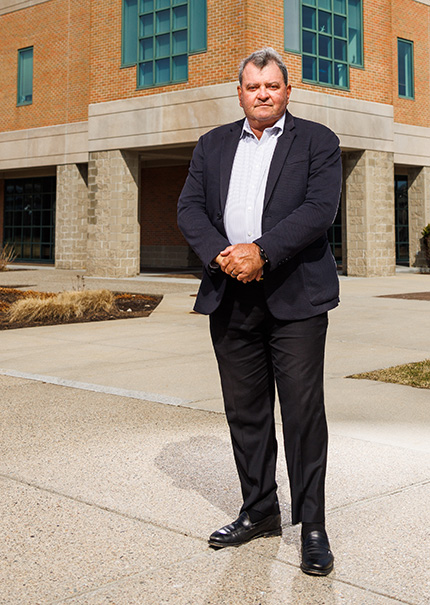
[(405, 60), (331, 38), (129, 32), (159, 35), (25, 76), (163, 42)]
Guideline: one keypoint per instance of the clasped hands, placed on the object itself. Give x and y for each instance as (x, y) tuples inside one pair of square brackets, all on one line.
[(241, 261)]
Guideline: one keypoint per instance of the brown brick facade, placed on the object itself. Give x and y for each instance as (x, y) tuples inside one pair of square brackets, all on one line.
[(59, 31)]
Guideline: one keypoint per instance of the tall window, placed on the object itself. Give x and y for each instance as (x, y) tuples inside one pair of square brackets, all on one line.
[(25, 76), (405, 60), (329, 34), (159, 35), (129, 32), (163, 42)]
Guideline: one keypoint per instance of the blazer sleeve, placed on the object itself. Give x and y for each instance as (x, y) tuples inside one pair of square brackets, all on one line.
[(316, 213), (197, 216)]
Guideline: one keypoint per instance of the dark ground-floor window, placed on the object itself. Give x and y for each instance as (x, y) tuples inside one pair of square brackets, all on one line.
[(401, 220), (29, 218)]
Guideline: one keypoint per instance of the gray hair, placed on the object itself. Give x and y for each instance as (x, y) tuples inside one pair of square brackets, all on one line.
[(260, 58)]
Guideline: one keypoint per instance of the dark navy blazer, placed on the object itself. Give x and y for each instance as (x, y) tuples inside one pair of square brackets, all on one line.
[(300, 203)]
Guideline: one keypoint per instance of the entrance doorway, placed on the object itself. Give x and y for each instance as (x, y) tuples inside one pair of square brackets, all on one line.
[(29, 218), (401, 219)]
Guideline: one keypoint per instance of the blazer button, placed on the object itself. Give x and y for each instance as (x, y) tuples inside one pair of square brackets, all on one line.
[(219, 216)]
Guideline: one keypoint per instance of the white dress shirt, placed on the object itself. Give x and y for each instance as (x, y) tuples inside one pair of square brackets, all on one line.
[(244, 206)]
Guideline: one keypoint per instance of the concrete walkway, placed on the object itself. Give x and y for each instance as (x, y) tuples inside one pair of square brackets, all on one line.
[(115, 461)]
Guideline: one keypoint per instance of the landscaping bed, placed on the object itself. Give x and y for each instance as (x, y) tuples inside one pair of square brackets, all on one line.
[(124, 305)]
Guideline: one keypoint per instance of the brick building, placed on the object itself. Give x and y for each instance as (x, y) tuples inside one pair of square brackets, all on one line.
[(102, 102)]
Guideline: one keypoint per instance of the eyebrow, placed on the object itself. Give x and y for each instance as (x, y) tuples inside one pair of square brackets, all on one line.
[(265, 83)]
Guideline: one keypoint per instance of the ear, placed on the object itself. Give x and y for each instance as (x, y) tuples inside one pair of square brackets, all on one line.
[(239, 93), (288, 93)]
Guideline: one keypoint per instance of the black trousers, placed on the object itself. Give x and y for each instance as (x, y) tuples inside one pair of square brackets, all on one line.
[(255, 352)]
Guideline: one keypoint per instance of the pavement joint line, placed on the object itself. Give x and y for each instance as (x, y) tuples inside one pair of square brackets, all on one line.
[(86, 386), (125, 578), (180, 533), (333, 578), (394, 492), (107, 509)]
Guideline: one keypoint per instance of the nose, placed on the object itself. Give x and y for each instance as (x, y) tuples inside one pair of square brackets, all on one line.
[(262, 92)]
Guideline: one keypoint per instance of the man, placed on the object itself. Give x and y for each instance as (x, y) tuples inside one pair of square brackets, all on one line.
[(259, 198)]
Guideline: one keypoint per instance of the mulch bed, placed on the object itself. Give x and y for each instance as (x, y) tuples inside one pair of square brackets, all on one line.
[(126, 305), (409, 296)]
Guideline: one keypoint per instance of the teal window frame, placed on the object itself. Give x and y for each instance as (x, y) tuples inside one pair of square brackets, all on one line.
[(184, 40), (329, 36), (405, 68), (25, 76), (163, 42), (129, 24)]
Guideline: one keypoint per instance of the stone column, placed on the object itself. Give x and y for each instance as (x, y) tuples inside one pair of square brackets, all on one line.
[(113, 227), (419, 212), (71, 217), (370, 213)]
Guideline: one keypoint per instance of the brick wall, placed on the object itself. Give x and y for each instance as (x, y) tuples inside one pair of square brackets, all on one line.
[(65, 65), (160, 189), (411, 22), (59, 31)]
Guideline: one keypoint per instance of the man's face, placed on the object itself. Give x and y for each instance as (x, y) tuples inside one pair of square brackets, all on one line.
[(263, 95)]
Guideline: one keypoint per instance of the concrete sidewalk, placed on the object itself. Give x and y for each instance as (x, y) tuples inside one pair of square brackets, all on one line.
[(112, 483)]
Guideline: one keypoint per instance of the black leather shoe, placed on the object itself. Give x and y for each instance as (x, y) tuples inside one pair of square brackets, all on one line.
[(317, 558), (243, 530)]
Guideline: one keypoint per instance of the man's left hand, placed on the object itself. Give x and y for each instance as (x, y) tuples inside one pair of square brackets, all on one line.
[(241, 261)]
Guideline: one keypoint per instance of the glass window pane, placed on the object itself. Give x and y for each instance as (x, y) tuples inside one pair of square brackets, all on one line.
[(324, 71), (162, 3), (324, 22), (309, 18), (163, 22), (405, 68), (146, 49), (129, 32), (146, 6), (309, 42), (145, 74), (324, 44), (341, 74), (179, 42), (25, 76), (355, 34), (162, 71), (339, 6), (340, 50), (162, 46), (180, 17), (325, 4), (309, 68), (180, 68), (146, 26), (339, 26)]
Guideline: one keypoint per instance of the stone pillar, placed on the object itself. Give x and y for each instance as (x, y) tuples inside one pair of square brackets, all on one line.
[(370, 213), (419, 212), (113, 227), (71, 217)]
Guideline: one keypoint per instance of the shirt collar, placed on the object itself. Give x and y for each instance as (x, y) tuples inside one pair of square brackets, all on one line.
[(277, 129)]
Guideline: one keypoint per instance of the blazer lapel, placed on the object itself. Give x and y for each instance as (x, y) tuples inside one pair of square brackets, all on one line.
[(228, 151), (280, 155)]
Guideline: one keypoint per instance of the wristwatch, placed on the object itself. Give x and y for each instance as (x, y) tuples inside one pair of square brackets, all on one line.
[(263, 255)]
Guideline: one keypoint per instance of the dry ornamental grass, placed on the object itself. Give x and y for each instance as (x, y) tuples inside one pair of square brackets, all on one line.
[(61, 307), (19, 309)]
